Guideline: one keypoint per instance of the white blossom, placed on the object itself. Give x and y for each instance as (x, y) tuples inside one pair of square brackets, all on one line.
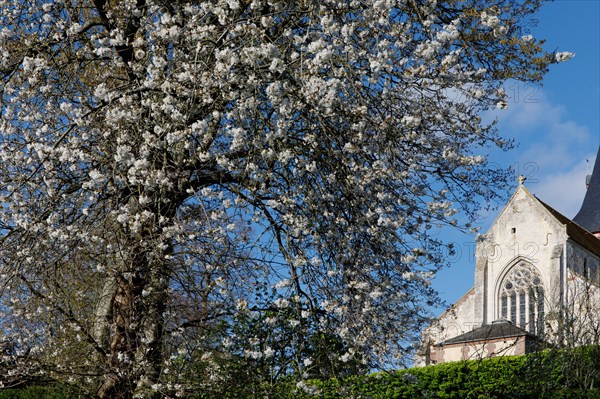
[(563, 56), (172, 169)]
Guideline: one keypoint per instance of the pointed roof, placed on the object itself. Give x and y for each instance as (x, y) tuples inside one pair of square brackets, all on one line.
[(589, 214)]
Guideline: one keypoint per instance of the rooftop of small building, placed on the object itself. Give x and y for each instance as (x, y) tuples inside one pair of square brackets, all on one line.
[(498, 329)]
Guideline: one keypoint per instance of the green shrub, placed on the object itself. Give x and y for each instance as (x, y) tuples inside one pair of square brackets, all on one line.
[(556, 374), (543, 375), (39, 392)]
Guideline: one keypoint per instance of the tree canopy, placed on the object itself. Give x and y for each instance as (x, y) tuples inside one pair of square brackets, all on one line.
[(176, 172)]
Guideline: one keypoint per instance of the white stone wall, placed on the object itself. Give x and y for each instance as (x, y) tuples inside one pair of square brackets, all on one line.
[(458, 319), (455, 321), (576, 320), (524, 231), (583, 263), (479, 350)]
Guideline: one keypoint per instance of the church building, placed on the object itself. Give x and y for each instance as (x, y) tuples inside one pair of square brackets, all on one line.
[(537, 282)]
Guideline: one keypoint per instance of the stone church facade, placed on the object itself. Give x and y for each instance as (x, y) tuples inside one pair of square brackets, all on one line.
[(537, 279)]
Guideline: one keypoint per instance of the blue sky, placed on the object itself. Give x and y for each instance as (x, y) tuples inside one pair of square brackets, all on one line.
[(556, 126)]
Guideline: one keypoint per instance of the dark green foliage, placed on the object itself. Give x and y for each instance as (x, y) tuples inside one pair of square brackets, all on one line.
[(568, 374), (555, 374), (41, 392)]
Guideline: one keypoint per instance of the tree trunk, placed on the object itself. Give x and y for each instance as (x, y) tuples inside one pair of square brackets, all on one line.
[(102, 314), (119, 379), (133, 303), (149, 353)]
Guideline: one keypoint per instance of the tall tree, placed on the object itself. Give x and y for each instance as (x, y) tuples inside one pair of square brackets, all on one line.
[(169, 164)]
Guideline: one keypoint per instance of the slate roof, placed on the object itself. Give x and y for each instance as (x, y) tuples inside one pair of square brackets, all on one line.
[(588, 216), (497, 330)]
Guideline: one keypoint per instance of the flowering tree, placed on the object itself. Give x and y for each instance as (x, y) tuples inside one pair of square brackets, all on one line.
[(170, 165)]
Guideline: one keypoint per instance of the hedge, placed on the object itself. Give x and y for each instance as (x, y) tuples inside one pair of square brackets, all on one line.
[(39, 392), (568, 374), (551, 375)]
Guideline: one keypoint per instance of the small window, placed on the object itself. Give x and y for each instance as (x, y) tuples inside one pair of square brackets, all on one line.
[(513, 230)]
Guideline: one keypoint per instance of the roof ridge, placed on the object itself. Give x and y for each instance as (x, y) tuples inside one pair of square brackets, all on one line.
[(579, 233), (487, 332)]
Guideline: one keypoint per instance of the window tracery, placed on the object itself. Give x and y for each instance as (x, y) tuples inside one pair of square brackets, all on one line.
[(521, 298)]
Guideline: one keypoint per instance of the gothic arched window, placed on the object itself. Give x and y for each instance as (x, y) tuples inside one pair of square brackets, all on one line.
[(521, 298)]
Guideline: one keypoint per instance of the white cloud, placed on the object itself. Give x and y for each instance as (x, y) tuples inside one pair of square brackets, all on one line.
[(545, 134), (565, 191), (552, 149)]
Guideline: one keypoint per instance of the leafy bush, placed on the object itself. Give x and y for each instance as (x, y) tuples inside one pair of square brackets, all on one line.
[(543, 375), (40, 392), (556, 374)]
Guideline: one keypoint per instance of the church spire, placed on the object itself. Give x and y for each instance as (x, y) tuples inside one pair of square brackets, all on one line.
[(588, 216)]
